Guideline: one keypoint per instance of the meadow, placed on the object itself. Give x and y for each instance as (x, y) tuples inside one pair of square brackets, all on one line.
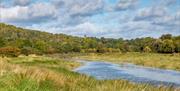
[(42, 73)]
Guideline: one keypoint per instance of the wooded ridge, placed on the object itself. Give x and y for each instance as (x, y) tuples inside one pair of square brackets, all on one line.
[(15, 41)]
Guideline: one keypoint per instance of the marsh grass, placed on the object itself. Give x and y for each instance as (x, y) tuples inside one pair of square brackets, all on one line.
[(164, 61), (51, 74)]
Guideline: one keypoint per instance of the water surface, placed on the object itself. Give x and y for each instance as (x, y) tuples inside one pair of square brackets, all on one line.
[(133, 73)]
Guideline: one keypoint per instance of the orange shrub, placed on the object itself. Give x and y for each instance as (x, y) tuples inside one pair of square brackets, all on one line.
[(9, 51)]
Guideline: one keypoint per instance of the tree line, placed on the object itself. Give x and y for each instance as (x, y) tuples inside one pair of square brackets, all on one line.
[(15, 41)]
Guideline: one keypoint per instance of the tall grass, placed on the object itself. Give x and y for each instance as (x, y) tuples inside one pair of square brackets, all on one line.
[(50, 74), (165, 61)]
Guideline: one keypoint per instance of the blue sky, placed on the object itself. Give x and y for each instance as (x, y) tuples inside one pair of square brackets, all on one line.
[(96, 18)]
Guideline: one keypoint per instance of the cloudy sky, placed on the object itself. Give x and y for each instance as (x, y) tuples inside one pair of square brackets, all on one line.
[(109, 18)]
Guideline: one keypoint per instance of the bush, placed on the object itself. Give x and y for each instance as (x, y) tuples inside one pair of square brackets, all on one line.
[(10, 51), (102, 50), (112, 50), (147, 49), (177, 46), (167, 46), (90, 50), (28, 50)]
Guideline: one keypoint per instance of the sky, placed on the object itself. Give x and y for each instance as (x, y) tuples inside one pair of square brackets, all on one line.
[(95, 18)]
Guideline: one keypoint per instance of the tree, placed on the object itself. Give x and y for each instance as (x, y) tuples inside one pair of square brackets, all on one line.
[(176, 41), (177, 46), (157, 45), (2, 43), (65, 47), (76, 47), (41, 45), (51, 50), (16, 43), (29, 50), (101, 48), (167, 46), (166, 36), (32, 41)]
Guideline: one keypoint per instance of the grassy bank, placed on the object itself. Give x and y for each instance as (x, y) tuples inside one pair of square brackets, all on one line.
[(165, 61), (50, 74)]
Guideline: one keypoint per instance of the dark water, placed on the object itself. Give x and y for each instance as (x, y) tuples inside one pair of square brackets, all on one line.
[(133, 73)]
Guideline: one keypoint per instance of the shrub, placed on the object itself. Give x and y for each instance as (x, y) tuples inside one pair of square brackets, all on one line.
[(147, 49), (112, 50), (167, 47), (177, 46), (10, 51), (90, 50)]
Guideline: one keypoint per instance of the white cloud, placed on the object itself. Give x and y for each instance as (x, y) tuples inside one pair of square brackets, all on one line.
[(42, 10), (90, 17), (150, 13), (126, 4), (80, 7), (34, 12), (158, 15), (85, 28), (14, 13), (167, 21)]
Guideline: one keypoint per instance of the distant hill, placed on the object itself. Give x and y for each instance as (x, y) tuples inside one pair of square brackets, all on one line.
[(33, 41)]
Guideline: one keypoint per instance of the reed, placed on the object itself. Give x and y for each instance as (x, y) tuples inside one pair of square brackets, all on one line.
[(51, 74)]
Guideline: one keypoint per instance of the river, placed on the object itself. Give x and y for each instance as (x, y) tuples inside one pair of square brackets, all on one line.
[(130, 72)]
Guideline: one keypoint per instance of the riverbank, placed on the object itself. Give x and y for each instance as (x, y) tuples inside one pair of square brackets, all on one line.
[(163, 61), (40, 73)]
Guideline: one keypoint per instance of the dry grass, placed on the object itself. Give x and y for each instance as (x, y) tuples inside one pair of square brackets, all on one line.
[(37, 74), (165, 61)]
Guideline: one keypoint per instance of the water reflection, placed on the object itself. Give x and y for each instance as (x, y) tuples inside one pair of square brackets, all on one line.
[(134, 73)]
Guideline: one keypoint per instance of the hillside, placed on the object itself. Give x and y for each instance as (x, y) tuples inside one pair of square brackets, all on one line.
[(32, 41)]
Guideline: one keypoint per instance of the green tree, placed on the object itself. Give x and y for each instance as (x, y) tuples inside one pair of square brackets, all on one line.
[(177, 46), (167, 46), (2, 43), (166, 36), (101, 48), (41, 45), (157, 45), (76, 48), (28, 50), (65, 47), (43, 42)]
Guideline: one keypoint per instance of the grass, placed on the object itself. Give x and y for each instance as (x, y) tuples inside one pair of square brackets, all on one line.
[(51, 74), (164, 61)]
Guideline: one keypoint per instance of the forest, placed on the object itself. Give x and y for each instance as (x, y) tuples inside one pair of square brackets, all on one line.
[(15, 41)]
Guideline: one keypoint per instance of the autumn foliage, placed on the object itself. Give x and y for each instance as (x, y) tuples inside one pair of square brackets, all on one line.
[(9, 51), (36, 42)]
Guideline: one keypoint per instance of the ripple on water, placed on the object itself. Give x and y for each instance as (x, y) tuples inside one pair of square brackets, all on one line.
[(134, 73)]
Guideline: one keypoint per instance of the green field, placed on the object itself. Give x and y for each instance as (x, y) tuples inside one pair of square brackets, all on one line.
[(40, 73), (164, 61)]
